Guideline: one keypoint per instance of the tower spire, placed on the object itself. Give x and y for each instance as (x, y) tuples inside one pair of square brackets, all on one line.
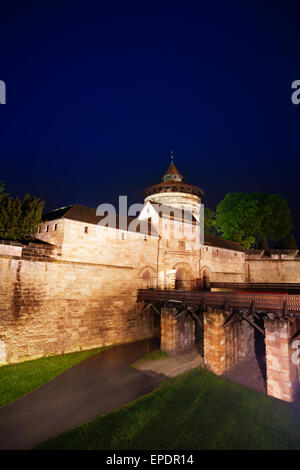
[(172, 174)]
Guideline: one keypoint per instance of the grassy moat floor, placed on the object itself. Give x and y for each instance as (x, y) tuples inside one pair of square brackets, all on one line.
[(17, 380), (196, 410)]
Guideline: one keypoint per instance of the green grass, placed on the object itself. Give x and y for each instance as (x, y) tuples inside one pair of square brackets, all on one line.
[(197, 410), (151, 356), (18, 379)]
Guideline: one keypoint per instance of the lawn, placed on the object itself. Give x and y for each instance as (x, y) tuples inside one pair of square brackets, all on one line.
[(151, 356), (18, 379), (197, 410)]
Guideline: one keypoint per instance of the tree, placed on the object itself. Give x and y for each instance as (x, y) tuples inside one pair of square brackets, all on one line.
[(237, 218), (245, 217), (261, 243), (209, 221), (2, 193), (276, 216), (19, 219), (287, 243), (31, 210)]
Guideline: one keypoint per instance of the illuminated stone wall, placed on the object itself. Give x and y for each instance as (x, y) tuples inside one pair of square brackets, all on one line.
[(273, 270), (52, 307)]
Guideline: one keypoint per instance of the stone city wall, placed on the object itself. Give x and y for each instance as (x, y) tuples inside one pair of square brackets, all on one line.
[(273, 270), (50, 307)]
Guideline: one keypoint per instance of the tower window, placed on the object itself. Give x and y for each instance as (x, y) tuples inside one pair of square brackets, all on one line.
[(54, 227), (47, 228), (86, 229)]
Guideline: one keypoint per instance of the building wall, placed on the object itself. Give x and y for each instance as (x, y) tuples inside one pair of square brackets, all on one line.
[(223, 265), (268, 270), (188, 202), (52, 307), (81, 293)]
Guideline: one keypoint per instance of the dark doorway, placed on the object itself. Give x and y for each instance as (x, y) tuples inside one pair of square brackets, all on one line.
[(205, 281)]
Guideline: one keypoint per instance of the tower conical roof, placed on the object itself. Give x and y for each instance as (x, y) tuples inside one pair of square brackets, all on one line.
[(172, 173), (172, 183)]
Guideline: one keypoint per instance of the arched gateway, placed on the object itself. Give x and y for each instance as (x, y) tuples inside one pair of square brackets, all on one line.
[(183, 276)]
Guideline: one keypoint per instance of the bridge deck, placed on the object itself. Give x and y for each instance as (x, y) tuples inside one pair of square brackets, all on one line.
[(282, 304)]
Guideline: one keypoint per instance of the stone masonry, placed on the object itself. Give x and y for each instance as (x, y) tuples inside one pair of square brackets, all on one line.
[(177, 334), (214, 341), (281, 372)]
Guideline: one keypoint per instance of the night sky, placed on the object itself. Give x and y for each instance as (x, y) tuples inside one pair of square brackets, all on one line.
[(98, 93)]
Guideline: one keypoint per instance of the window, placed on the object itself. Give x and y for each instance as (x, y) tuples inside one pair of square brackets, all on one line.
[(54, 227), (47, 228), (181, 245), (86, 229)]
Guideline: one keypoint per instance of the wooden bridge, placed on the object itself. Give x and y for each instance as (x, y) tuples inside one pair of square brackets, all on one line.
[(283, 305), (226, 324)]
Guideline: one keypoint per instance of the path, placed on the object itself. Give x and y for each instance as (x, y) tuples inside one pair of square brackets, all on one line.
[(95, 386)]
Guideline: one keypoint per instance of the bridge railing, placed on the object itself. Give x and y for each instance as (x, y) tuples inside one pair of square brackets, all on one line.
[(262, 302)]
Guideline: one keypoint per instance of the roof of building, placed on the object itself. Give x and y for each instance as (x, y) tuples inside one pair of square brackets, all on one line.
[(172, 171), (88, 215), (173, 186), (172, 182), (210, 240)]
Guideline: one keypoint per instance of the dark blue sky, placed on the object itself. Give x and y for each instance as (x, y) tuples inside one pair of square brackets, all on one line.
[(99, 92)]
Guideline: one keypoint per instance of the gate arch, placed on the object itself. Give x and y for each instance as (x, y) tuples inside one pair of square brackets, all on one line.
[(147, 278), (183, 276), (205, 278)]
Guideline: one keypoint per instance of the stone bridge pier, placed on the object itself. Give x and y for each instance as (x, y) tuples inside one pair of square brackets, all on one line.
[(234, 326), (282, 358), (177, 330), (225, 346)]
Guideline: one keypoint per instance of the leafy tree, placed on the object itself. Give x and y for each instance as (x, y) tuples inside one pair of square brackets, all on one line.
[(276, 216), (237, 216), (32, 210), (262, 243), (2, 193), (287, 243), (210, 221), (19, 219), (244, 217)]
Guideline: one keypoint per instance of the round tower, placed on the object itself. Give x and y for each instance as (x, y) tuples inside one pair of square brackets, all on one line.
[(172, 191)]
